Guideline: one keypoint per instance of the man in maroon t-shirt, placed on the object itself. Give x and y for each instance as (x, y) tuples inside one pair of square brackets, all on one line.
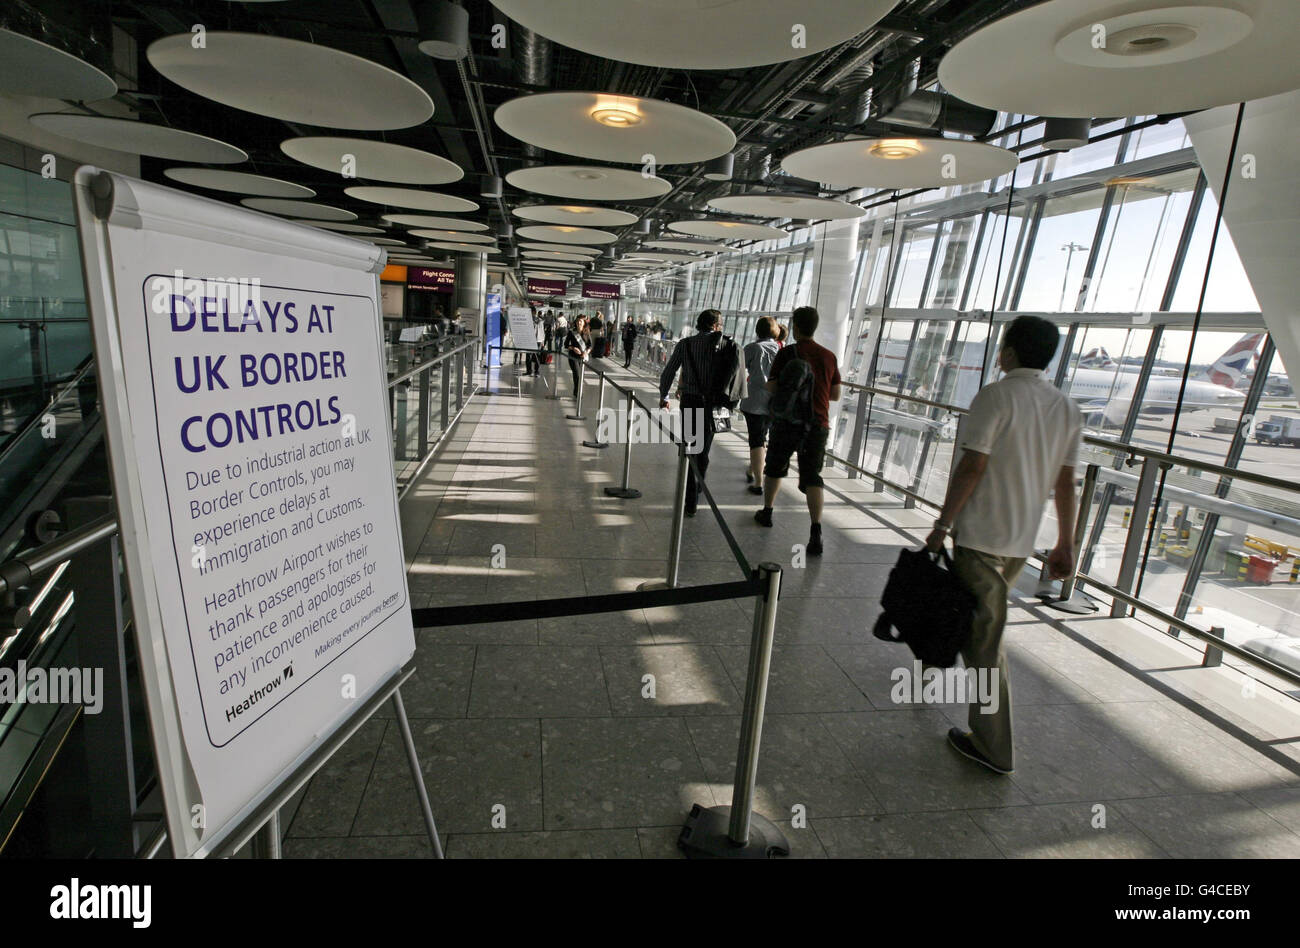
[(788, 439)]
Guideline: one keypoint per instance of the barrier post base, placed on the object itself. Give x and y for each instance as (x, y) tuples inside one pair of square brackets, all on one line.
[(652, 585), (705, 836), (576, 417), (595, 444), (626, 493)]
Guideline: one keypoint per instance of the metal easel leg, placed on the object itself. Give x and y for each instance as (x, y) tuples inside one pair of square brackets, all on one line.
[(417, 775)]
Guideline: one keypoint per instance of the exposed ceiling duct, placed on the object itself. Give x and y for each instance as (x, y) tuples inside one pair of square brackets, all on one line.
[(532, 67), (939, 111)]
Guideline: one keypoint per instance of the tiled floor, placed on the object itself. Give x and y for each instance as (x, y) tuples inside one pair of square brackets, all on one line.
[(594, 735)]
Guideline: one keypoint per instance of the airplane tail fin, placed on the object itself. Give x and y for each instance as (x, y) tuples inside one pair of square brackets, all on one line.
[(1096, 358), (1228, 369)]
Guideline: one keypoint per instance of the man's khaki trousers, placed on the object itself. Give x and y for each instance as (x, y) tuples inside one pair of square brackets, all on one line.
[(989, 577)]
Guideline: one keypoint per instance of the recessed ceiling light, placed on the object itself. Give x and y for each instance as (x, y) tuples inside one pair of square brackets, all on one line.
[(896, 148), (616, 116)]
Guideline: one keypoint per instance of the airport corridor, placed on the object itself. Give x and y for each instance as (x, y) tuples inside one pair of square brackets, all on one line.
[(546, 738)]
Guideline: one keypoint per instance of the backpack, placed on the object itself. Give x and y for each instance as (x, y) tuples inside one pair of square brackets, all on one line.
[(792, 402), (730, 380)]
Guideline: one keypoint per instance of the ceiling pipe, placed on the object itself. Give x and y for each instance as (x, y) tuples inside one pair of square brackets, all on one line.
[(532, 67)]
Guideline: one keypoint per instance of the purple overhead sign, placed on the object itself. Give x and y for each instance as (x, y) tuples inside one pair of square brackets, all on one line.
[(540, 287), (601, 291), (437, 279)]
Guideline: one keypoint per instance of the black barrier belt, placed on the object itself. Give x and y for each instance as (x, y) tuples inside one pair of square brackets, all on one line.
[(438, 616), (736, 551)]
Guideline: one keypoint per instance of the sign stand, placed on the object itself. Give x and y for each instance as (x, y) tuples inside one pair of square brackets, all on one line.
[(243, 384)]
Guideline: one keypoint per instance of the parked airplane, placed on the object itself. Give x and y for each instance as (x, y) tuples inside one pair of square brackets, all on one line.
[(1107, 393)]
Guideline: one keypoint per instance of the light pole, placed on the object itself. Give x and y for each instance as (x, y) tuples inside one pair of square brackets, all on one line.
[(1071, 247)]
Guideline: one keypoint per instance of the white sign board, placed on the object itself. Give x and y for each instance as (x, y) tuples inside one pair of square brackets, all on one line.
[(522, 329), (241, 363)]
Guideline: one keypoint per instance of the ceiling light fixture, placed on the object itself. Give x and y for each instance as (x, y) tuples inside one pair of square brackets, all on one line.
[(444, 29), (616, 113), (896, 148), (720, 168)]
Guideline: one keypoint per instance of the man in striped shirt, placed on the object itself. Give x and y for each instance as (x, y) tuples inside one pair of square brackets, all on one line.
[(694, 357)]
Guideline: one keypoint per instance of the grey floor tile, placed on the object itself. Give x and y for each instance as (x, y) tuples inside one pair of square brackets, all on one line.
[(687, 680), (1178, 756), (440, 686), (1211, 826), (330, 804), (727, 621), (359, 847), (1057, 761), (601, 628), (802, 620), (905, 836), (906, 761), (470, 768), (516, 632), (1067, 831), (616, 772), (529, 681), (567, 844), (800, 766), (1281, 803), (803, 678)]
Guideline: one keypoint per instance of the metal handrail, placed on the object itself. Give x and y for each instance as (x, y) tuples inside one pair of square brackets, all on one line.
[(432, 362), (24, 567), (62, 390), (1121, 447)]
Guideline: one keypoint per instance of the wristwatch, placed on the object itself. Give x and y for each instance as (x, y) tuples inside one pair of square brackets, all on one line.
[(943, 527)]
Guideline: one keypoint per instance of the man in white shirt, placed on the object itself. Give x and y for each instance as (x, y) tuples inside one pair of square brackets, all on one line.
[(1019, 443)]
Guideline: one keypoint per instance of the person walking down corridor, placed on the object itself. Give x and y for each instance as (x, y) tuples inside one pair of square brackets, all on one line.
[(1019, 443), (577, 344), (704, 359), (629, 341), (804, 380), (758, 364)]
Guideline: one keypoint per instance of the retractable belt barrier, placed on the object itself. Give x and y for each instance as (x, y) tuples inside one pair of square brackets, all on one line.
[(727, 832)]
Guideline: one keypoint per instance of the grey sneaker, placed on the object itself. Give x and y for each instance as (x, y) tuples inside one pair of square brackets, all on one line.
[(963, 745)]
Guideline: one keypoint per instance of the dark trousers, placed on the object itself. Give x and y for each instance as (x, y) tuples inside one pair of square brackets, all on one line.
[(627, 354), (697, 431), (531, 367)]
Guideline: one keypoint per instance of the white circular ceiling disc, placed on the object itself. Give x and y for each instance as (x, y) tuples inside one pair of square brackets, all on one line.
[(299, 209), (730, 230), (665, 257), (291, 80), (578, 214), (1085, 58), (342, 228), (552, 255), (436, 223), (409, 197), (924, 163), (700, 245), (463, 248), (386, 242), (698, 34), (579, 123), (30, 67), (588, 183), (138, 138), (378, 161), (240, 182), (455, 236), (559, 248), (794, 206), (560, 234)]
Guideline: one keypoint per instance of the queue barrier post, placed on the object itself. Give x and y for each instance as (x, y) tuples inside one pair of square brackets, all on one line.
[(736, 832), (679, 517), (582, 383), (600, 413), (626, 492)]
